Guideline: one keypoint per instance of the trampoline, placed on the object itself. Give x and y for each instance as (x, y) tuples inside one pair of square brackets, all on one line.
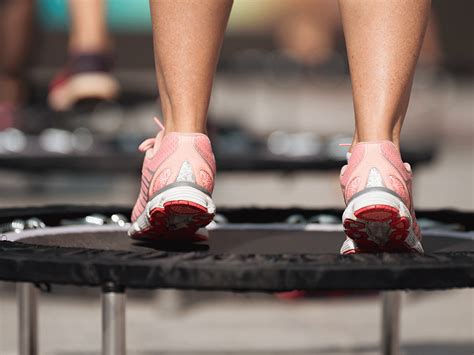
[(250, 250)]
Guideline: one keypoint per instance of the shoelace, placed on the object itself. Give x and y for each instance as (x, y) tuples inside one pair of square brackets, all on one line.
[(150, 142)]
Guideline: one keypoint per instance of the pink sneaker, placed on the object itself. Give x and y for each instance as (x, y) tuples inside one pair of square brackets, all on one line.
[(379, 216), (177, 183)]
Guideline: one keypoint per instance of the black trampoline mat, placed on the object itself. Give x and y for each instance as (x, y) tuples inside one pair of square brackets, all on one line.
[(268, 258), (241, 241)]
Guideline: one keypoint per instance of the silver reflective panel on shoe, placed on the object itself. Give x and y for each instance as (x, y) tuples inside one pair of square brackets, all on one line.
[(186, 173)]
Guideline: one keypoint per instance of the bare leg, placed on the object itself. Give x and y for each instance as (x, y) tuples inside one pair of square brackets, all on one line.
[(16, 19), (88, 26), (187, 38), (383, 39)]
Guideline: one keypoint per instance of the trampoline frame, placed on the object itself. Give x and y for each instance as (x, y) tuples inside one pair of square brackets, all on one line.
[(114, 320)]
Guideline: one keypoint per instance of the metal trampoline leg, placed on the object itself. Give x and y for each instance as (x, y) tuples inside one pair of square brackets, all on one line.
[(391, 303), (113, 320), (28, 318)]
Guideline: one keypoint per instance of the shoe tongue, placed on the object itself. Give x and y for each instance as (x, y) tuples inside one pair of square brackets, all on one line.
[(348, 156)]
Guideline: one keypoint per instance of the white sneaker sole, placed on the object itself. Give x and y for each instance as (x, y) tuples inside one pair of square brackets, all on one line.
[(378, 221), (176, 213)]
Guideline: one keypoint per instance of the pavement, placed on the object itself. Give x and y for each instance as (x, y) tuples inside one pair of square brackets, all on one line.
[(197, 323)]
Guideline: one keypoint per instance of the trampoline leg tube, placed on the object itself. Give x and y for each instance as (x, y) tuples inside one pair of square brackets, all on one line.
[(28, 318), (113, 320), (391, 303)]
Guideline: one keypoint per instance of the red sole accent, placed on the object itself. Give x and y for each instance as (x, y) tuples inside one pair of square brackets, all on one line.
[(176, 221), (380, 216)]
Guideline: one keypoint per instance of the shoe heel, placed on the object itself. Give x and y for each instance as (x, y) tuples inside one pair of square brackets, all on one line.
[(177, 213), (378, 221)]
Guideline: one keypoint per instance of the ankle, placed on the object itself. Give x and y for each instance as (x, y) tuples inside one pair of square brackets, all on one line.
[(95, 45), (394, 138), (184, 127), (184, 123)]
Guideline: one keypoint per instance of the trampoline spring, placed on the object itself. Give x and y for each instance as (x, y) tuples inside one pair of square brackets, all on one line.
[(35, 223), (97, 219), (324, 219), (220, 219), (17, 225), (118, 219), (43, 287), (296, 219)]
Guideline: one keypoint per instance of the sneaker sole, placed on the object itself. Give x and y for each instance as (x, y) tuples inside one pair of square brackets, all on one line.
[(376, 222), (175, 215)]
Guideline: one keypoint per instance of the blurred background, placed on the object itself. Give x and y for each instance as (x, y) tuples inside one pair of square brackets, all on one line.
[(280, 107)]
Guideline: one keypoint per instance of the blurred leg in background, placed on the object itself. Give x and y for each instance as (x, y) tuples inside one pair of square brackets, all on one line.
[(431, 52), (88, 29), (16, 21), (383, 41), (307, 30), (87, 74)]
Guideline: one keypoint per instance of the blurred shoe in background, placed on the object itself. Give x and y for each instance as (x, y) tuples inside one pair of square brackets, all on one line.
[(86, 77)]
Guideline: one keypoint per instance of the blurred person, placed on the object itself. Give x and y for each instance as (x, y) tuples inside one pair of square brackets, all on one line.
[(309, 31), (383, 40), (431, 54), (87, 73), (16, 21)]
